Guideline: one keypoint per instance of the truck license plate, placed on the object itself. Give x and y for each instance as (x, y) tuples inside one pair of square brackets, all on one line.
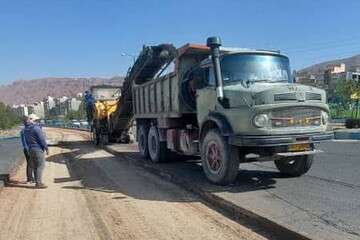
[(299, 147)]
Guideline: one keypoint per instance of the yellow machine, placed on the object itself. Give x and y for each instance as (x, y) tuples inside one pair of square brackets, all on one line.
[(104, 108), (106, 103)]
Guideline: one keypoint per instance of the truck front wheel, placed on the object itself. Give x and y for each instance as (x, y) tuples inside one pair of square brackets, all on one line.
[(143, 140), (157, 149), (220, 161), (294, 166)]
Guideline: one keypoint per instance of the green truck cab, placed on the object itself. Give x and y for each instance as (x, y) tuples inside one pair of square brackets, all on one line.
[(230, 106)]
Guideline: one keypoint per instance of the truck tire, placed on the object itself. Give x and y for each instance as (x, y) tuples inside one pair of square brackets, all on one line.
[(157, 150), (143, 141), (294, 166), (220, 160)]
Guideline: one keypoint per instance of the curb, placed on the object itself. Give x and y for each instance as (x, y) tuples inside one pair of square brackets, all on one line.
[(228, 208)]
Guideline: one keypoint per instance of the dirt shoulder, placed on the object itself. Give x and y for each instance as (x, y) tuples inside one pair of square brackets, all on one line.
[(93, 194)]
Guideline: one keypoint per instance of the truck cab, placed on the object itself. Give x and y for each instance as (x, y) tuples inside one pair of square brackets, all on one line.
[(262, 112)]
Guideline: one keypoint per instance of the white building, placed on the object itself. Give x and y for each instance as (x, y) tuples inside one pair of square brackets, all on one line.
[(21, 110), (61, 106), (37, 109), (49, 106), (73, 104)]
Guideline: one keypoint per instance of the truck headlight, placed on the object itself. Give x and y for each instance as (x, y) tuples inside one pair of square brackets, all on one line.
[(261, 120), (324, 118)]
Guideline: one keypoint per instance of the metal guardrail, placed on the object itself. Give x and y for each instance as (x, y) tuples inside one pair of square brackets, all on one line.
[(69, 126)]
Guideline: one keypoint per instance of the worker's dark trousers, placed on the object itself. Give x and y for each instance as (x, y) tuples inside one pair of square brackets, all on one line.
[(29, 170), (37, 158)]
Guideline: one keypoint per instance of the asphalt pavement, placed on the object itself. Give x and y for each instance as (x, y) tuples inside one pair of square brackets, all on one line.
[(10, 152), (323, 204)]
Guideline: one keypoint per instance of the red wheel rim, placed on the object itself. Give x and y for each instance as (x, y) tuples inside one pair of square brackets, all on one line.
[(214, 157)]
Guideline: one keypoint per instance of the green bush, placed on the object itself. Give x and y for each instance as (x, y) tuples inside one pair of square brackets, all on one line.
[(8, 117), (352, 123)]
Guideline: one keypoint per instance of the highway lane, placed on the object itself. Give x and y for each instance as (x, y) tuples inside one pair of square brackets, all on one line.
[(329, 192)]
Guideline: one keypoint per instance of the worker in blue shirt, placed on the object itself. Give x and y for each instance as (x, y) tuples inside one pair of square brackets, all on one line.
[(36, 142), (29, 170), (89, 102)]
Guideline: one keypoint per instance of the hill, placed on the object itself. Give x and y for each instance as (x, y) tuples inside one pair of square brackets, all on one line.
[(321, 67), (30, 91)]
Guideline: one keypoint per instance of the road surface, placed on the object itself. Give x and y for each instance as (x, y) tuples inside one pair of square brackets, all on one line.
[(323, 204), (10, 151), (92, 194)]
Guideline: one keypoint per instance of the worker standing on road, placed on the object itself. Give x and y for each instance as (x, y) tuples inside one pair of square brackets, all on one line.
[(37, 145), (89, 101), (29, 170)]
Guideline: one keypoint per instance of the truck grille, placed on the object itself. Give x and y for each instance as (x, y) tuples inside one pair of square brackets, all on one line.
[(285, 97), (296, 117), (313, 96)]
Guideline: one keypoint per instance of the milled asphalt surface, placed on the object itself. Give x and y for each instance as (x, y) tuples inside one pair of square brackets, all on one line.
[(10, 152), (323, 204)]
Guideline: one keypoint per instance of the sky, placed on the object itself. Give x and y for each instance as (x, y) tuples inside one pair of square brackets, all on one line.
[(78, 38)]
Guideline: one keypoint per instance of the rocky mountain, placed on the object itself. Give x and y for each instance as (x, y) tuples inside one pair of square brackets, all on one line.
[(30, 91), (320, 67)]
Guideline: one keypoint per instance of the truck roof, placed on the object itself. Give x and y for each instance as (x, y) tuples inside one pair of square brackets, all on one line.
[(190, 48)]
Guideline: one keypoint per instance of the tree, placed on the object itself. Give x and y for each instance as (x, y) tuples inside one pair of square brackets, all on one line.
[(8, 118), (79, 114)]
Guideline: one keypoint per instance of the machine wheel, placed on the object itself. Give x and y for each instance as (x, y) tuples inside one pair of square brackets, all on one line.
[(143, 140), (157, 149), (295, 166), (220, 161), (104, 139), (95, 136)]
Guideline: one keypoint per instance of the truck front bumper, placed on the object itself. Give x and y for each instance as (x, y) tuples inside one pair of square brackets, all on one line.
[(279, 140)]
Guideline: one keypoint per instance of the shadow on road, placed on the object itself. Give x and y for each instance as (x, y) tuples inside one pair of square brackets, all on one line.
[(100, 171), (122, 175)]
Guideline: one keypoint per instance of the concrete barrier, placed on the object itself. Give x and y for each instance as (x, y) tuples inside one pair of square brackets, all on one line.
[(347, 134)]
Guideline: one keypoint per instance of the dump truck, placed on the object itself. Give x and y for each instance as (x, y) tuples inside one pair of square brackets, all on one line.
[(105, 103), (227, 105)]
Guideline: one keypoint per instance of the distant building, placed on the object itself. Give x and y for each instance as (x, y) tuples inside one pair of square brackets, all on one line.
[(37, 109), (21, 110), (49, 106), (337, 68), (61, 106), (73, 104), (353, 74), (311, 80)]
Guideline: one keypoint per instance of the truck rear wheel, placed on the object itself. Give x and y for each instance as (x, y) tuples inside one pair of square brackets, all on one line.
[(295, 166), (143, 141), (157, 149), (220, 161)]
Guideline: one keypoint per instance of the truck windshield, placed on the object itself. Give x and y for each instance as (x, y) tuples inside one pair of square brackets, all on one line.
[(252, 68)]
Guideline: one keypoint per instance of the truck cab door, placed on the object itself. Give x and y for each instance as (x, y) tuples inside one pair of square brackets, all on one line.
[(205, 95)]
